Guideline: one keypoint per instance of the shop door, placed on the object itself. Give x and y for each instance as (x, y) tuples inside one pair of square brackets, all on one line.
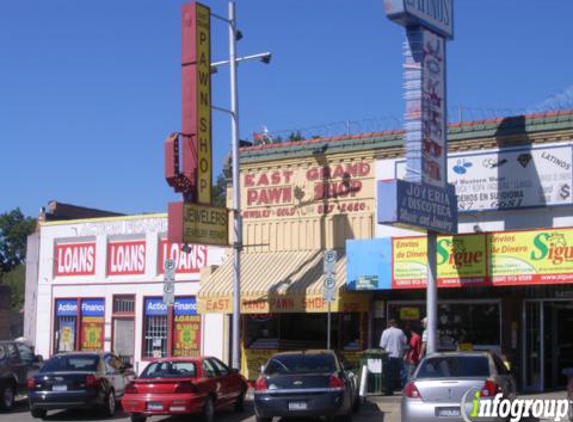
[(532, 355), (558, 326), (124, 338)]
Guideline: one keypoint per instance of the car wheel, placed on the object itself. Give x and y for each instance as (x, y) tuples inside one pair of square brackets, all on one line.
[(208, 414), (110, 404), (258, 419), (240, 402), (38, 413), (7, 395), (138, 417)]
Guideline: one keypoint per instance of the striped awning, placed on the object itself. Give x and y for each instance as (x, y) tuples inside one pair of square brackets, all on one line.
[(276, 282)]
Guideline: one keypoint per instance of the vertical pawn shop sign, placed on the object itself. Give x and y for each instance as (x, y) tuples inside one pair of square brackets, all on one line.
[(194, 220), (425, 200)]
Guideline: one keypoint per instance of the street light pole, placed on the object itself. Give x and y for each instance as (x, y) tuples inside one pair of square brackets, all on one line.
[(237, 220), (237, 229)]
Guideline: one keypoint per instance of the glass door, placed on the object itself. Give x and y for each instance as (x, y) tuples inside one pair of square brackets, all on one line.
[(532, 356)]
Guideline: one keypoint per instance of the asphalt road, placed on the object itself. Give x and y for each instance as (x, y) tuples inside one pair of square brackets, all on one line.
[(368, 413)]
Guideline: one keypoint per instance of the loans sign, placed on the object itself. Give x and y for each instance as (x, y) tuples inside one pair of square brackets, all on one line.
[(436, 15)]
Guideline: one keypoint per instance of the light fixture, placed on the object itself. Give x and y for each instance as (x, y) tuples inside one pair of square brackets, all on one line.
[(266, 59)]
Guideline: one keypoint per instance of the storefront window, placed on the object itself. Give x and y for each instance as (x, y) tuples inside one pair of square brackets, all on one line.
[(92, 324), (186, 337), (477, 324), (65, 325), (156, 326)]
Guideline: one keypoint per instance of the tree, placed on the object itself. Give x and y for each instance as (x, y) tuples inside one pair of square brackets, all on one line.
[(220, 191), (296, 136), (14, 231)]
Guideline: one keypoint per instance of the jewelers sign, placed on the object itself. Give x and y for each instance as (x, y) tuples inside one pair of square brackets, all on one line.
[(510, 179)]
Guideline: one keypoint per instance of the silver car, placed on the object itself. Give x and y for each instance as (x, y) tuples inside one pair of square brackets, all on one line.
[(443, 380)]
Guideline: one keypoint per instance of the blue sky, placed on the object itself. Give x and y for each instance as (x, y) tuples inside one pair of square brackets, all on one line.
[(90, 89)]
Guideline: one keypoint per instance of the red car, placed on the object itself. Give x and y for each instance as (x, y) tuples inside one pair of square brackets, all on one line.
[(172, 386)]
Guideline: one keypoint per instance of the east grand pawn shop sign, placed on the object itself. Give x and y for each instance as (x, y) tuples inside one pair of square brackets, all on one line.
[(307, 190)]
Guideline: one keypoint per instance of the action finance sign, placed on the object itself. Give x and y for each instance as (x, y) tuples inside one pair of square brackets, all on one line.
[(436, 15), (198, 224)]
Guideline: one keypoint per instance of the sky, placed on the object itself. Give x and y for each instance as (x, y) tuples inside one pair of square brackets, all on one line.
[(89, 90)]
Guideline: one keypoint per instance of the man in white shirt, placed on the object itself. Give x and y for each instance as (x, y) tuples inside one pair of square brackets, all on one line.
[(394, 342), (424, 322)]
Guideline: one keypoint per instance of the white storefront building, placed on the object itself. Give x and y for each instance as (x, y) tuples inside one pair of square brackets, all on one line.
[(100, 286)]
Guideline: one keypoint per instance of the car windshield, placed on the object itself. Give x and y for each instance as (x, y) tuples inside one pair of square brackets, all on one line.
[(170, 370), (301, 364), (454, 367), (70, 363)]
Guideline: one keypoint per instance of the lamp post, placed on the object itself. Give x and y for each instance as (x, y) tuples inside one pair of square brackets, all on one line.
[(234, 36)]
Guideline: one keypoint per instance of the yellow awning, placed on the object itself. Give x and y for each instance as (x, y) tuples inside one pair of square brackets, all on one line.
[(278, 282)]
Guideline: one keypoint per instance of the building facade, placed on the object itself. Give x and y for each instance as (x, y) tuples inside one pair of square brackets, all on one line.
[(513, 178), (100, 286)]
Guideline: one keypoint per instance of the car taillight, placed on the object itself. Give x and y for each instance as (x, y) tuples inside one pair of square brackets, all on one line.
[(92, 381), (335, 382), (31, 383), (489, 389), (411, 391), (130, 388), (186, 387), (261, 384)]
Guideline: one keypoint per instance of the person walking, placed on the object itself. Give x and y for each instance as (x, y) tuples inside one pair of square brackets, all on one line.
[(415, 351), (424, 322), (394, 342)]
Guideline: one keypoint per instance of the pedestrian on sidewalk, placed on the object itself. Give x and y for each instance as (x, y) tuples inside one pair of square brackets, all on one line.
[(424, 322), (414, 352), (394, 342)]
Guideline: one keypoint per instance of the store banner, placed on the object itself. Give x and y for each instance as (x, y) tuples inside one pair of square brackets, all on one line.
[(512, 178), (126, 258), (409, 262), (92, 324), (187, 262), (74, 259), (155, 307), (462, 260), (66, 307), (185, 306), (531, 257)]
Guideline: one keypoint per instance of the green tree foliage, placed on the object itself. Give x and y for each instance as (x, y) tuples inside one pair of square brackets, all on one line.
[(14, 231), (16, 280), (220, 191), (296, 136)]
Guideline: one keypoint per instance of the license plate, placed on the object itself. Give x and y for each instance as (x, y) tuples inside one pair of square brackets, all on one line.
[(448, 412), (59, 387), (297, 405), (154, 406)]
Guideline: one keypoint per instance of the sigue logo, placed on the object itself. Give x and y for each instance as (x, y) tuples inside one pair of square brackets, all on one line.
[(515, 410)]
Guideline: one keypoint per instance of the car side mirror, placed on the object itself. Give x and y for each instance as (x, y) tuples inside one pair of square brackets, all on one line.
[(38, 359)]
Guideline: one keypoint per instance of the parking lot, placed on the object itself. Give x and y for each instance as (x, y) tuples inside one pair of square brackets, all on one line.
[(369, 412)]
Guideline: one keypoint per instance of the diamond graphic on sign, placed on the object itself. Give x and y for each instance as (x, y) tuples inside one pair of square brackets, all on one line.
[(524, 159)]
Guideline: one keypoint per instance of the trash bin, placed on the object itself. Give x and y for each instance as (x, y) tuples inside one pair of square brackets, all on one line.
[(376, 360)]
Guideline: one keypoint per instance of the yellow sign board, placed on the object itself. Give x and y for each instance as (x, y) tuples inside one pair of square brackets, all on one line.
[(410, 262), (461, 260), (203, 141), (531, 257), (205, 225)]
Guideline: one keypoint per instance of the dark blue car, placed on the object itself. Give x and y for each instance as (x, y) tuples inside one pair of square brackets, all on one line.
[(306, 384), (78, 380)]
